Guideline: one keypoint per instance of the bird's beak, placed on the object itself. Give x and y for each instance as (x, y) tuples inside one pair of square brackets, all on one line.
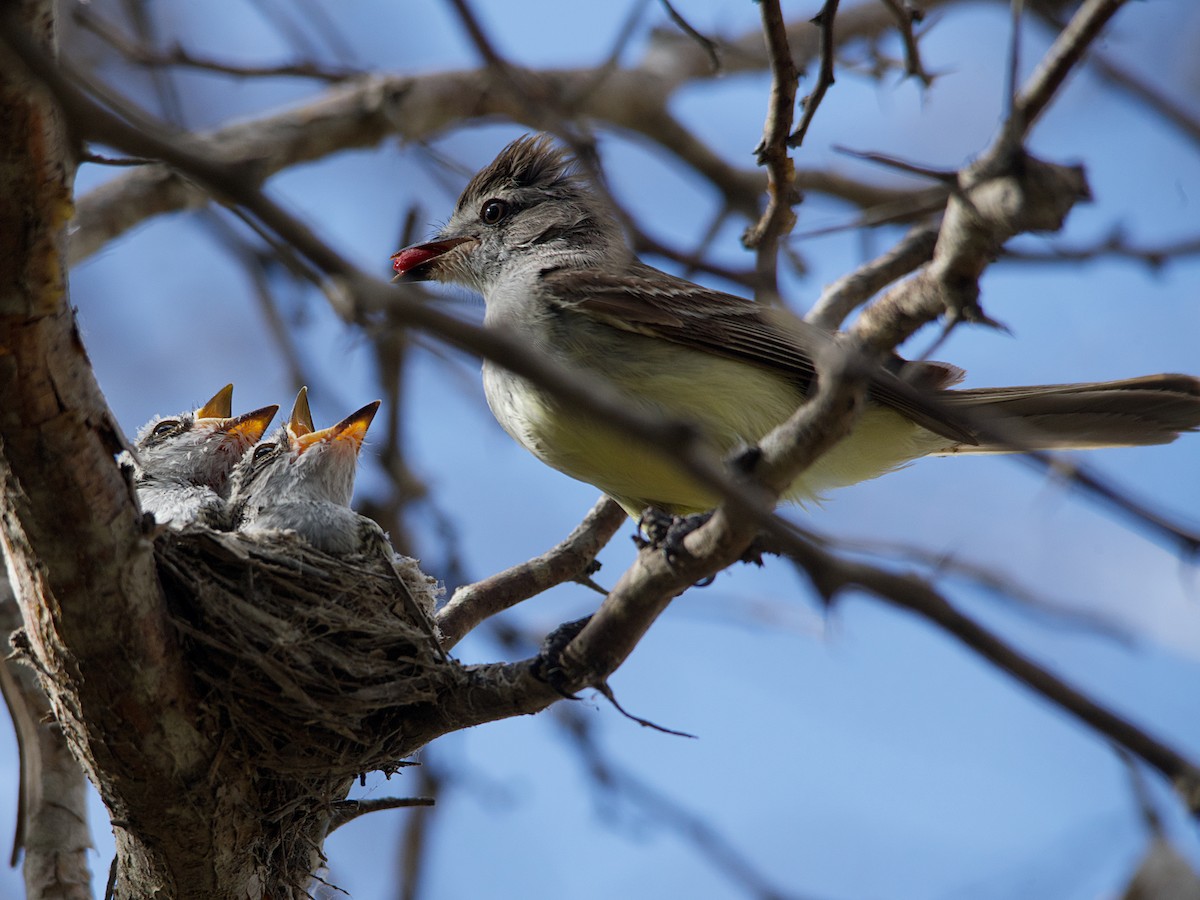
[(301, 419), (353, 428), (419, 262), (251, 426), (219, 407)]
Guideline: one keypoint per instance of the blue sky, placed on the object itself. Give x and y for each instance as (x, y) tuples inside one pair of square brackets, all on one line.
[(846, 754)]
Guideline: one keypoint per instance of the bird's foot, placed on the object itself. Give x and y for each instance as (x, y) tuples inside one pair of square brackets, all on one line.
[(548, 666), (666, 532)]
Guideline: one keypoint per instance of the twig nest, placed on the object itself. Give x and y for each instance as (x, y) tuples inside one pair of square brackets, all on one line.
[(314, 660)]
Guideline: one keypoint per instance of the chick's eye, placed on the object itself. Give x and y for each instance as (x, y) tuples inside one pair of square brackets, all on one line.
[(493, 211), (165, 427), (263, 451)]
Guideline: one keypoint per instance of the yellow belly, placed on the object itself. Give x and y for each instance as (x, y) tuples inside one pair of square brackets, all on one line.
[(732, 404)]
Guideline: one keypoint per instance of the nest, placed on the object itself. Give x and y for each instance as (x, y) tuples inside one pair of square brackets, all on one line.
[(313, 660)]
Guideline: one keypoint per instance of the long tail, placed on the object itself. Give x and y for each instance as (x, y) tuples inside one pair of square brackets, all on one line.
[(1133, 412)]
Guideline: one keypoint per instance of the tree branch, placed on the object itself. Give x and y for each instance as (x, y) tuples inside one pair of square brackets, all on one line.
[(831, 576), (778, 219), (570, 559), (824, 21)]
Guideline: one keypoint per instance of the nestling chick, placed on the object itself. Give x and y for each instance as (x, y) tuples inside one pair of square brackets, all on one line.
[(182, 464), (300, 481)]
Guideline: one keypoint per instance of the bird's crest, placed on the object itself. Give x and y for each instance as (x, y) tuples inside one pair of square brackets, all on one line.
[(532, 160)]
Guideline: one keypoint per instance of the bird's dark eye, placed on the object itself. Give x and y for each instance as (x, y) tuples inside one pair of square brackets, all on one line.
[(263, 452), (165, 427), (493, 211)]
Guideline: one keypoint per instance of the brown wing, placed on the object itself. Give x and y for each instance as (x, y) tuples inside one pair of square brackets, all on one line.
[(646, 301)]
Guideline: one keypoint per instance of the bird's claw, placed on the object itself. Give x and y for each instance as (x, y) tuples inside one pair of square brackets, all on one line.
[(548, 666), (666, 533)]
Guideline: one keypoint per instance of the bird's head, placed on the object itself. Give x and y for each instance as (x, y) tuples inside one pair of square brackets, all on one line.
[(201, 446), (297, 463), (529, 208)]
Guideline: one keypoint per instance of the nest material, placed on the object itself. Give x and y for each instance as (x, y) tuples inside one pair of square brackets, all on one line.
[(313, 659)]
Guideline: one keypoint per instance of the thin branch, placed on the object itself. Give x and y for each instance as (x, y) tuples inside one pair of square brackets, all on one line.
[(906, 17), (942, 176), (1013, 70), (852, 290), (1116, 246), (414, 859), (1062, 57), (346, 811), (256, 264), (716, 849), (918, 207), (999, 584), (315, 16), (1171, 111), (1186, 540), (117, 162), (831, 576), (778, 219), (824, 21), (176, 55), (179, 57), (696, 261), (710, 47), (566, 561)]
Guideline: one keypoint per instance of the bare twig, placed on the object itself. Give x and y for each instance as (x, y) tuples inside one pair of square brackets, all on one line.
[(1062, 57), (178, 56), (1116, 246), (830, 576), (850, 291), (824, 21), (900, 165), (1173, 112), (100, 159), (999, 584), (711, 48), (906, 17), (346, 811), (257, 265), (414, 858), (778, 218), (569, 559), (694, 261), (715, 848)]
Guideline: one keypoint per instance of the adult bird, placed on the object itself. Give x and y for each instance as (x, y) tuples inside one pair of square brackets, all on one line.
[(556, 271), (300, 481), (182, 463)]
